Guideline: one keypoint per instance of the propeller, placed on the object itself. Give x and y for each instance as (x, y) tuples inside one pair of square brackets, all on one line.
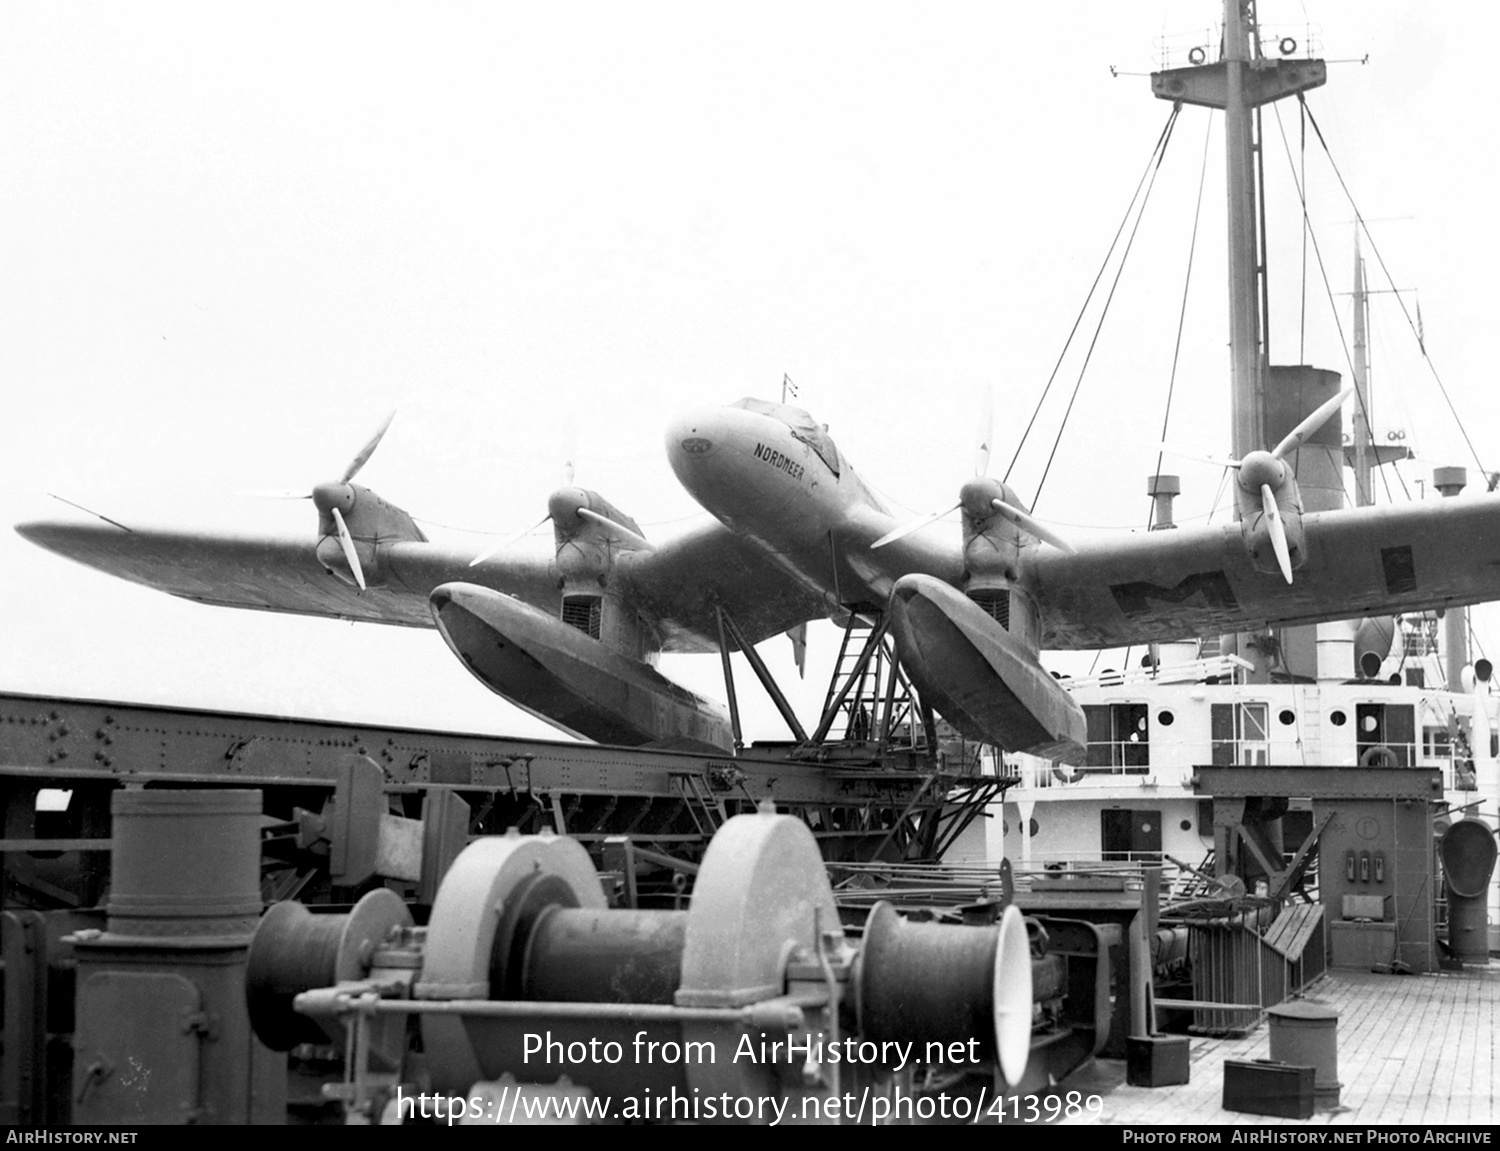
[(333, 499), (361, 458), (1277, 530), (612, 528), (1295, 438), (1266, 472), (346, 541), (1289, 444), (1015, 515), (504, 543), (616, 530), (916, 525), (1032, 527)]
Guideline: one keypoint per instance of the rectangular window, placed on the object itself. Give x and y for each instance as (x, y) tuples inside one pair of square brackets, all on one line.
[(1240, 734), (1119, 738), (1385, 734), (1436, 743), (1133, 836)]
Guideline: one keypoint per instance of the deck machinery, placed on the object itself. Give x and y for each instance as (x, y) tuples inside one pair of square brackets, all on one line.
[(425, 913)]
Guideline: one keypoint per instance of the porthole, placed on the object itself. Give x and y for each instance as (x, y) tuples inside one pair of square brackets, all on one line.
[(1338, 719), (1165, 718), (1035, 827), (1287, 717), (1186, 825)]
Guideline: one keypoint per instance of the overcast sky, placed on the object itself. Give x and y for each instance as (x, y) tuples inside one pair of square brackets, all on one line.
[(235, 236)]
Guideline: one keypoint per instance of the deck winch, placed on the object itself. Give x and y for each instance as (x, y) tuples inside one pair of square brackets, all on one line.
[(526, 981)]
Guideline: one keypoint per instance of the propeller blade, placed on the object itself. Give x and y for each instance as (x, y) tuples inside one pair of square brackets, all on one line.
[(272, 494), (1194, 454), (1278, 530), (916, 525), (986, 432), (569, 447), (618, 530), (506, 542), (367, 451), (1307, 427), (1032, 527), (347, 542)]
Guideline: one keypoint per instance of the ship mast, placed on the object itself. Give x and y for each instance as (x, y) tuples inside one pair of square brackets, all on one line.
[(1238, 84), (1363, 495), (1242, 80), (1246, 323)]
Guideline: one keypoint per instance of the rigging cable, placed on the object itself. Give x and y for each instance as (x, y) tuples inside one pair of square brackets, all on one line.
[(1151, 163), (1306, 226), (1099, 327), (1323, 273), (1182, 311), (1381, 260)]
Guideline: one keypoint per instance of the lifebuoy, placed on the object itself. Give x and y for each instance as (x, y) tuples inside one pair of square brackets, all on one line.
[(1378, 756), (1066, 774)]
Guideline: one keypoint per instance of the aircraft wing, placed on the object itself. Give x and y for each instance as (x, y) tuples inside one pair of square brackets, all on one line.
[(680, 582), (676, 585), (1187, 582), (280, 573)]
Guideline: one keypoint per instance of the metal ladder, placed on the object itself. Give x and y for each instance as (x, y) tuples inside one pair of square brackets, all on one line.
[(702, 804)]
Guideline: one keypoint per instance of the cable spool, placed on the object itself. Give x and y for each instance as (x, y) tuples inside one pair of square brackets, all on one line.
[(294, 951), (938, 983)]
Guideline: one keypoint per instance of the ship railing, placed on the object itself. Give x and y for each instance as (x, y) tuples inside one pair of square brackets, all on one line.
[(1221, 667), (1244, 956), (1041, 773)]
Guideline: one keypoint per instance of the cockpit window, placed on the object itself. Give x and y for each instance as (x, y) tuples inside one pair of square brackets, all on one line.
[(802, 426)]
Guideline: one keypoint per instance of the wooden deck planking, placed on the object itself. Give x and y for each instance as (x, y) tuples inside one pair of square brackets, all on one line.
[(1411, 1049)]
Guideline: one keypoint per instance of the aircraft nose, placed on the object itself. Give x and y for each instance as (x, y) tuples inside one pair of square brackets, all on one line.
[(693, 438)]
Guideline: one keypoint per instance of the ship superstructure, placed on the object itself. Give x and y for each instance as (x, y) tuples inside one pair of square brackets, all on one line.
[(1375, 694)]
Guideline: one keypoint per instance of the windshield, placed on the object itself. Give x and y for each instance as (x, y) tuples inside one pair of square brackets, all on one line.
[(801, 425)]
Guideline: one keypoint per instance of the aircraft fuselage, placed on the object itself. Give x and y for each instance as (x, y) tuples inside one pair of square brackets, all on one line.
[(771, 474)]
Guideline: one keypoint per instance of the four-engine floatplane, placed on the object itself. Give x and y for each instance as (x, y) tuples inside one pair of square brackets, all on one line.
[(796, 535)]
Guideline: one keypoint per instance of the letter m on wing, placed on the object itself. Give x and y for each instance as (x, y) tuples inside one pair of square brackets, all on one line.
[(1142, 596)]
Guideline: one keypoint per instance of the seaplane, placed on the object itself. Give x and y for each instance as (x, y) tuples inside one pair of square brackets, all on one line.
[(572, 634)]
